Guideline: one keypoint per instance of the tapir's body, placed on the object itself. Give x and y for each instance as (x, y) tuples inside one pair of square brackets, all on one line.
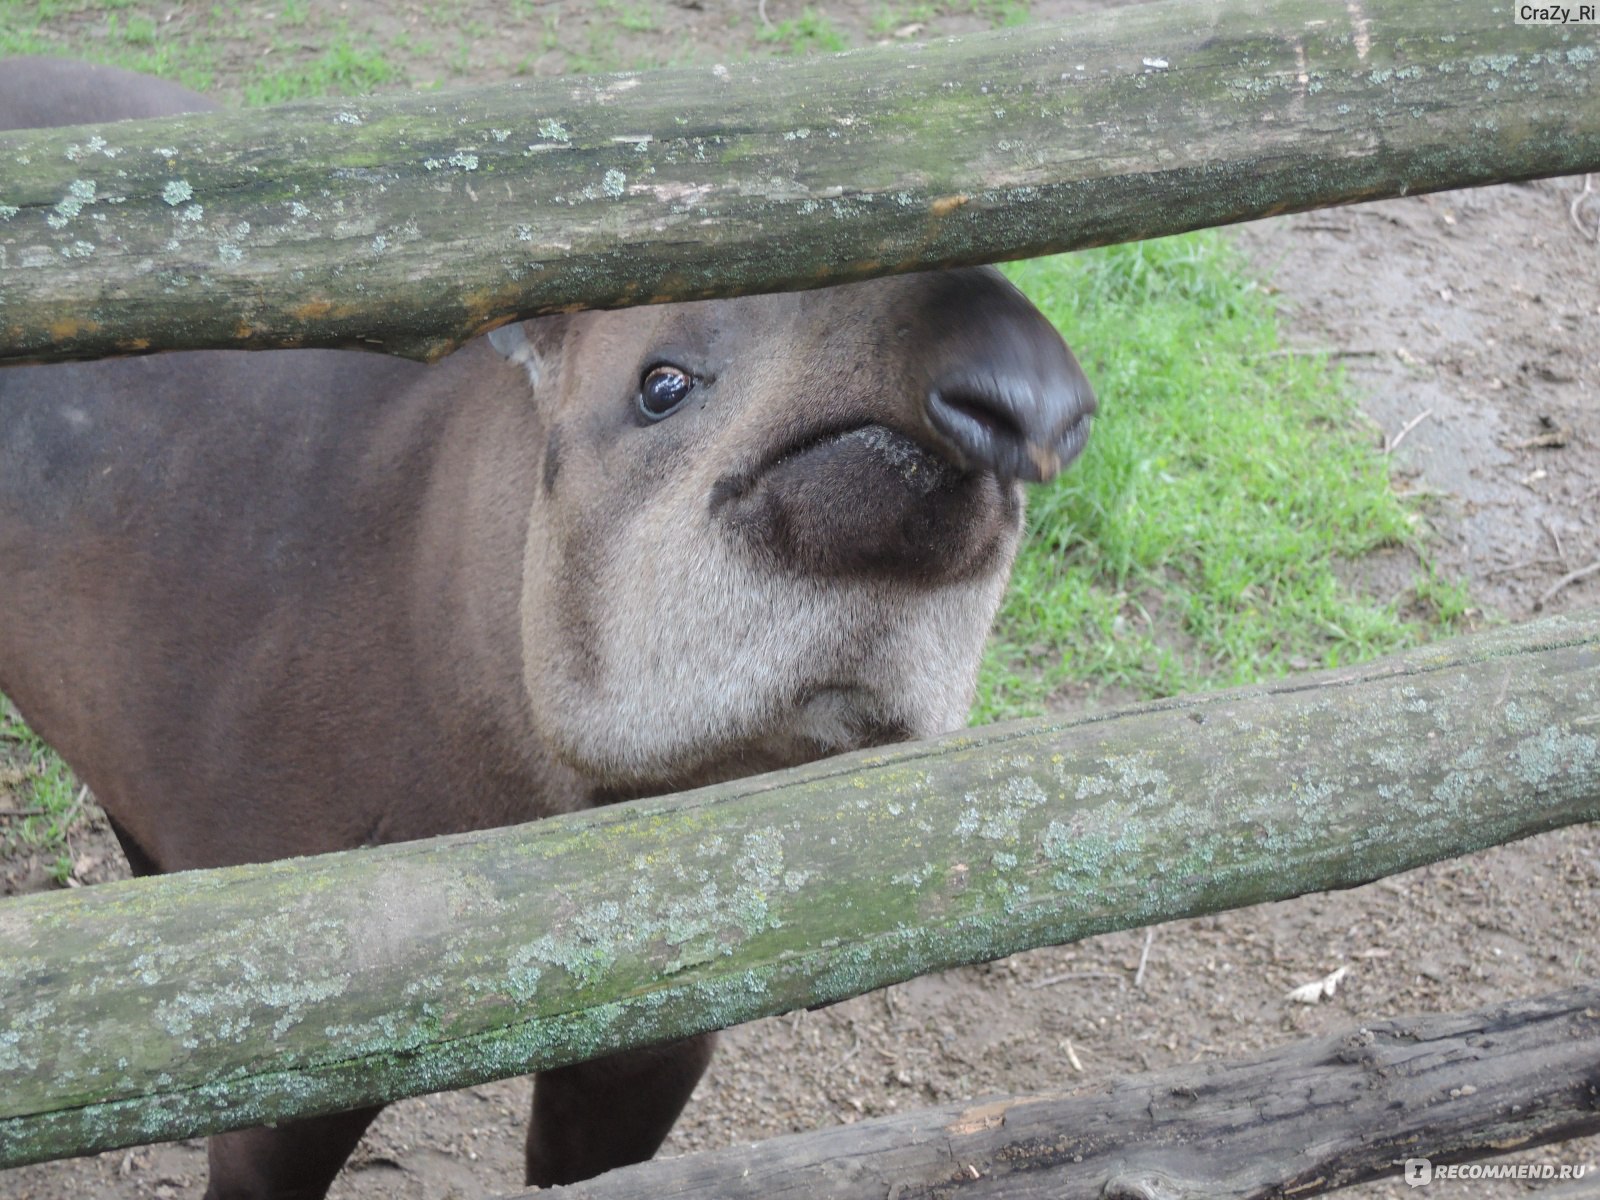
[(286, 603), (213, 597)]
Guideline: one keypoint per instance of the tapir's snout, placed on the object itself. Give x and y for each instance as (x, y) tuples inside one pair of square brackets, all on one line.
[(911, 469), (1018, 423), (1007, 395)]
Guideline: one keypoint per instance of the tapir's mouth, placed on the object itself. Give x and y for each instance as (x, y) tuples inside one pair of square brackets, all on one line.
[(867, 499), (870, 446), (915, 465)]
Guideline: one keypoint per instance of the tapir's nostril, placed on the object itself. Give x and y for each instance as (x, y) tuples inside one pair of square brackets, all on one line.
[(983, 421), (1018, 426)]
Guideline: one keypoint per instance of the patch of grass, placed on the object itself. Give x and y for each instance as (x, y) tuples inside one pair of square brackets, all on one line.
[(344, 69), (599, 52), (39, 794), (125, 38), (809, 33), (1195, 543), (1002, 14), (24, 42), (461, 57), (137, 30), (46, 10), (888, 18), (638, 18), (187, 45)]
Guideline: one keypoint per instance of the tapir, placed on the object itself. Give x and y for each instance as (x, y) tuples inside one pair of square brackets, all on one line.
[(281, 603)]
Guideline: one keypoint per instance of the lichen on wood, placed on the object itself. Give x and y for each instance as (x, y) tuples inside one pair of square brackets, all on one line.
[(1322, 1114), (173, 1006), (409, 223)]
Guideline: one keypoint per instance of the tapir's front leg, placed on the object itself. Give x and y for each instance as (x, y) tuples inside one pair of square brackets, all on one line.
[(594, 1116), (295, 1160)]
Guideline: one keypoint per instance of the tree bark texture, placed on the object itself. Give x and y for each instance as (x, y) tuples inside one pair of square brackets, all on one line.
[(168, 1007), (409, 223), (1299, 1121)]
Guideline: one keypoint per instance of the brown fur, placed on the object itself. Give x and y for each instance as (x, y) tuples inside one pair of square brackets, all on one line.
[(306, 601)]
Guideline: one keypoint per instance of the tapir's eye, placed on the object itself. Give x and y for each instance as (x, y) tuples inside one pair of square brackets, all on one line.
[(662, 389)]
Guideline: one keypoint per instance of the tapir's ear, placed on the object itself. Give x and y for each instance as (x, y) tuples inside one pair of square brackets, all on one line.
[(511, 341)]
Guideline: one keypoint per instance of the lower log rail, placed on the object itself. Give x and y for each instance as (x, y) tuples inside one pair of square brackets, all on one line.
[(1305, 1119), (168, 1007)]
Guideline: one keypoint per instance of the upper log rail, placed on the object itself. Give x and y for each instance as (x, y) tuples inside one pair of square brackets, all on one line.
[(192, 1003), (408, 223)]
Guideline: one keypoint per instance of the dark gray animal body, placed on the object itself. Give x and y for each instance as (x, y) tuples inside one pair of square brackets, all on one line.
[(295, 602)]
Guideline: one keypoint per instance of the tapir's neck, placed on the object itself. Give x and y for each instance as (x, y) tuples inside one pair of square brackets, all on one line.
[(467, 572)]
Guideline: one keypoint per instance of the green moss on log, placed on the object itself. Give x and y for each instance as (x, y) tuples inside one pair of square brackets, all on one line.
[(168, 1007), (409, 223)]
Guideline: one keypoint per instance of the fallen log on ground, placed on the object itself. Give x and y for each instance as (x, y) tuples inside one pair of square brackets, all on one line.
[(1299, 1121)]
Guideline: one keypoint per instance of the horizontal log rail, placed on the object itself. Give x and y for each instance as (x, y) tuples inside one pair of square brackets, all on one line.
[(192, 1003), (409, 223)]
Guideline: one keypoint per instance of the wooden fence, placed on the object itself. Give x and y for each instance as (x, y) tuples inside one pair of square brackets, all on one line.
[(442, 964)]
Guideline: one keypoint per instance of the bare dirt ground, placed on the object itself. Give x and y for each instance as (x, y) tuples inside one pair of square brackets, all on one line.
[(1468, 323)]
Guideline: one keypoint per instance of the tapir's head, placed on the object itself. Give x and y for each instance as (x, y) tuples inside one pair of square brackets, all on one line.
[(774, 528)]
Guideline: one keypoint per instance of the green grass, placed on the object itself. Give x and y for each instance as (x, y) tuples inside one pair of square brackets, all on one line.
[(809, 33), (189, 47), (1002, 14), (130, 40), (46, 10), (343, 69), (38, 795), (1196, 543), (888, 18), (135, 31), (638, 18)]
